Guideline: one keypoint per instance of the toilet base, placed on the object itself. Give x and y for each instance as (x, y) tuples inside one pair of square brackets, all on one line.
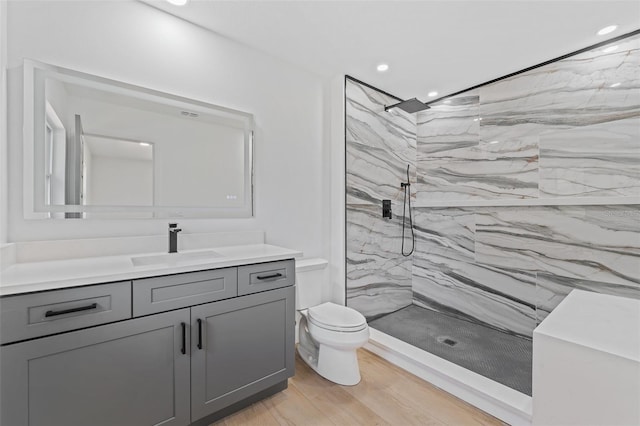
[(337, 365)]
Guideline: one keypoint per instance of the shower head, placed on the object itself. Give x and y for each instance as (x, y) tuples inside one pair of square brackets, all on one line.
[(410, 106)]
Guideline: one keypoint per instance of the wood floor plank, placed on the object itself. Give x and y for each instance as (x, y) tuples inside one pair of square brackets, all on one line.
[(309, 382), (292, 408), (337, 404), (441, 405), (255, 414), (387, 395), (377, 393)]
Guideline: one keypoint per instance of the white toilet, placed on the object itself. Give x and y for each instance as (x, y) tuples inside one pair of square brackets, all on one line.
[(329, 334)]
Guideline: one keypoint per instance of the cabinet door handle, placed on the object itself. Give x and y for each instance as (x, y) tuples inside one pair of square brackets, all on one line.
[(199, 333), (183, 350), (68, 311), (266, 277)]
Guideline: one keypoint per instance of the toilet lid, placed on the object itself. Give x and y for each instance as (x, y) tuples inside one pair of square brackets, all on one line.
[(336, 317)]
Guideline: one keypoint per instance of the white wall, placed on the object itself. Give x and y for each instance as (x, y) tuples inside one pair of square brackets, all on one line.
[(334, 163), (135, 43), (87, 164), (3, 124), (120, 181)]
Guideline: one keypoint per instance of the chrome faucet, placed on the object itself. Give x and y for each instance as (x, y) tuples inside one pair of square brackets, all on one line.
[(173, 237)]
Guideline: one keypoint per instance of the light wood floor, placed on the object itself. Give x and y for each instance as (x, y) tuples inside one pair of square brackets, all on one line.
[(387, 395)]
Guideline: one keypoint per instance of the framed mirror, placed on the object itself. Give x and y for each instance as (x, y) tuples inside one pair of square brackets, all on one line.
[(100, 148)]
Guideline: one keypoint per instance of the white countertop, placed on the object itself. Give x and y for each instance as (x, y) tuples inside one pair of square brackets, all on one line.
[(56, 274), (602, 322)]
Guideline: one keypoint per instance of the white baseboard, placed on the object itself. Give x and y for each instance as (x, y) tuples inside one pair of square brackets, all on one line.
[(500, 401)]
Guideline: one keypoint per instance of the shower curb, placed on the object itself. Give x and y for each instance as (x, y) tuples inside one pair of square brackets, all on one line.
[(500, 401)]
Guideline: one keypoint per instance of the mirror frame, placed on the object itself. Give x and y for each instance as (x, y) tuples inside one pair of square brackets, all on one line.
[(34, 207)]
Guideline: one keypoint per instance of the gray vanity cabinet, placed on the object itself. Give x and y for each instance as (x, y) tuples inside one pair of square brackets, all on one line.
[(179, 348), (131, 372), (239, 347)]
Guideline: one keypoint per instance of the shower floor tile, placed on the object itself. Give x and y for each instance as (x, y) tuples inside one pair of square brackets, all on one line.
[(499, 356)]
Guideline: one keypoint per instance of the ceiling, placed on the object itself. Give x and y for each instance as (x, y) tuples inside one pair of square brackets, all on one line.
[(430, 45)]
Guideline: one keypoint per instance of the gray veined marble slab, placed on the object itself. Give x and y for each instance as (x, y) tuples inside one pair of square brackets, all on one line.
[(446, 124), (573, 92), (378, 276), (485, 170), (592, 161), (597, 243), (552, 289), (454, 163), (446, 277), (380, 145)]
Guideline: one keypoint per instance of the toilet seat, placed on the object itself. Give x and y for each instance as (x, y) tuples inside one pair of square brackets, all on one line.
[(330, 316)]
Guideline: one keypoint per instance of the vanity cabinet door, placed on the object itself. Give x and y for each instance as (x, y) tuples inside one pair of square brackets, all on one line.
[(239, 347), (127, 373)]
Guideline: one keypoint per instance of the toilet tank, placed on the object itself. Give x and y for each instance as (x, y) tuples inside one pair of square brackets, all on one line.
[(310, 281)]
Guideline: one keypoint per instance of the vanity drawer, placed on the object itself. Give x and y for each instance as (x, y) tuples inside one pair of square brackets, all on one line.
[(37, 314), (265, 276), (159, 294)]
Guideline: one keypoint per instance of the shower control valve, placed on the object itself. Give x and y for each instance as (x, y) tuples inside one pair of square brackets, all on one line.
[(386, 209)]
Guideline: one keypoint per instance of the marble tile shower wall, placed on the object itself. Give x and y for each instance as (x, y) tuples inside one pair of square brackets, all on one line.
[(557, 133), (506, 178), (379, 146), (508, 267)]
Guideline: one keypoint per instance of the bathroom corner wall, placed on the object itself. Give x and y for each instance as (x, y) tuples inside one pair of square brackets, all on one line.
[(379, 146), (334, 171), (529, 187), (3, 123)]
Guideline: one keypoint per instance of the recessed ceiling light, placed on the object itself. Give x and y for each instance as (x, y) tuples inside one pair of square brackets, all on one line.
[(178, 2), (610, 49), (615, 84), (493, 142), (382, 67), (607, 30), (432, 94)]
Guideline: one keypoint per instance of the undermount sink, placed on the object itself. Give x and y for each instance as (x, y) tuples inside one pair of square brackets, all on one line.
[(175, 258)]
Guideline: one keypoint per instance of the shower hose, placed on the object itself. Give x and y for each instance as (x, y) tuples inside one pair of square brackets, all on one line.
[(407, 200)]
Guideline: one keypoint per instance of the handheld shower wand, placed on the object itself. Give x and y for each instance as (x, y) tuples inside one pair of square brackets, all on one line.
[(407, 196)]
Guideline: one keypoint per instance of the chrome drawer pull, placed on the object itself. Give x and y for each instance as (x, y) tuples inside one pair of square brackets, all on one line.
[(266, 277), (68, 311)]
